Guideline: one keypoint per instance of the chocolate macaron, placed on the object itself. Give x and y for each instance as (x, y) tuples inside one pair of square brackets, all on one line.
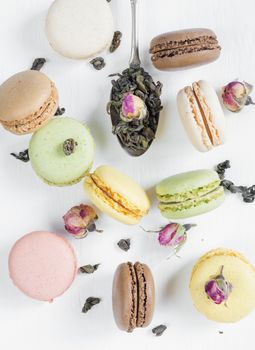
[(184, 48), (133, 296)]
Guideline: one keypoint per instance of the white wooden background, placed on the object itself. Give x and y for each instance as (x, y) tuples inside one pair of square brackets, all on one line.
[(26, 204)]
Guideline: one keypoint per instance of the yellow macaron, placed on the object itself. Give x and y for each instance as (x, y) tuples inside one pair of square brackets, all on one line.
[(222, 285), (117, 195)]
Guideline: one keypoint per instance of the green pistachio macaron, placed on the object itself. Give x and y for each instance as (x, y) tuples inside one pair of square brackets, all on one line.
[(62, 152), (189, 194)]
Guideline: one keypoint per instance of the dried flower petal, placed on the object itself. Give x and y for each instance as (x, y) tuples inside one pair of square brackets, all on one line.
[(124, 244), (90, 302), (88, 268), (133, 108), (159, 330), (218, 289), (235, 95), (80, 220)]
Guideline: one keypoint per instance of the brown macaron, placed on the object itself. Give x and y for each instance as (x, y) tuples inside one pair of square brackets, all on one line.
[(184, 48), (27, 101), (133, 296)]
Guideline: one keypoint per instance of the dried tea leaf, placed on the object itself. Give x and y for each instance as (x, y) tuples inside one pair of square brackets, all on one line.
[(248, 193), (23, 156), (88, 268), (159, 330), (98, 63), (60, 111), (124, 244), (116, 40), (69, 146), (38, 64), (89, 303)]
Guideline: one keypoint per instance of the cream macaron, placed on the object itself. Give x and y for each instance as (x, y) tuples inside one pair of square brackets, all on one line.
[(202, 116), (28, 100), (117, 195), (222, 285), (79, 29)]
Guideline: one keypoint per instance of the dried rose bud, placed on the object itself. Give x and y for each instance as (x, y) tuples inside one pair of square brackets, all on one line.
[(80, 220), (173, 235), (218, 289), (235, 95), (133, 107)]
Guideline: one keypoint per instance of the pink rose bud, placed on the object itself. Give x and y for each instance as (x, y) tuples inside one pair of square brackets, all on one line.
[(133, 107), (218, 289), (235, 95), (80, 220)]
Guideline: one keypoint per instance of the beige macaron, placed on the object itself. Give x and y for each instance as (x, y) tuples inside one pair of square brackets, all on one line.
[(235, 279), (117, 195), (27, 101), (202, 116)]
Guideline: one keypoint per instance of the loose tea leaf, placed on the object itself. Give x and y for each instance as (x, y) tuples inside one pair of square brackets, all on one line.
[(135, 136), (88, 268), (248, 193), (69, 146), (159, 330), (60, 111), (116, 40), (124, 244), (98, 63), (90, 302), (38, 64), (220, 332), (23, 156)]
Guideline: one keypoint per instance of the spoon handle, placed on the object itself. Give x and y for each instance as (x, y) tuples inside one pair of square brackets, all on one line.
[(135, 61)]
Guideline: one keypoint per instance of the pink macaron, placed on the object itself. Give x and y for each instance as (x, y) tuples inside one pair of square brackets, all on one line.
[(42, 265)]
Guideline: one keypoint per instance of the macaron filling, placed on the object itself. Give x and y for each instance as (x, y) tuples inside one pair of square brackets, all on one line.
[(142, 295), (115, 200)]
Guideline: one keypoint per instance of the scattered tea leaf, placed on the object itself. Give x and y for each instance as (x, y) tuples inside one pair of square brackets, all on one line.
[(124, 244), (60, 111), (116, 40), (69, 146), (88, 268), (90, 302), (248, 193), (159, 330), (220, 332), (23, 156), (98, 63), (38, 64)]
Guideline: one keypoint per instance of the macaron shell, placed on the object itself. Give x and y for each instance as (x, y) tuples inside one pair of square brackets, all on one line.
[(108, 207), (170, 212), (42, 265), (238, 271), (200, 44), (34, 122), (192, 120), (48, 159), (124, 297), (186, 182), (79, 28), (202, 116), (146, 295), (23, 95), (119, 193)]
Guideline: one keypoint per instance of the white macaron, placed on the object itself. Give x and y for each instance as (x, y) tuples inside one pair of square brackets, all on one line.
[(202, 116), (79, 29)]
